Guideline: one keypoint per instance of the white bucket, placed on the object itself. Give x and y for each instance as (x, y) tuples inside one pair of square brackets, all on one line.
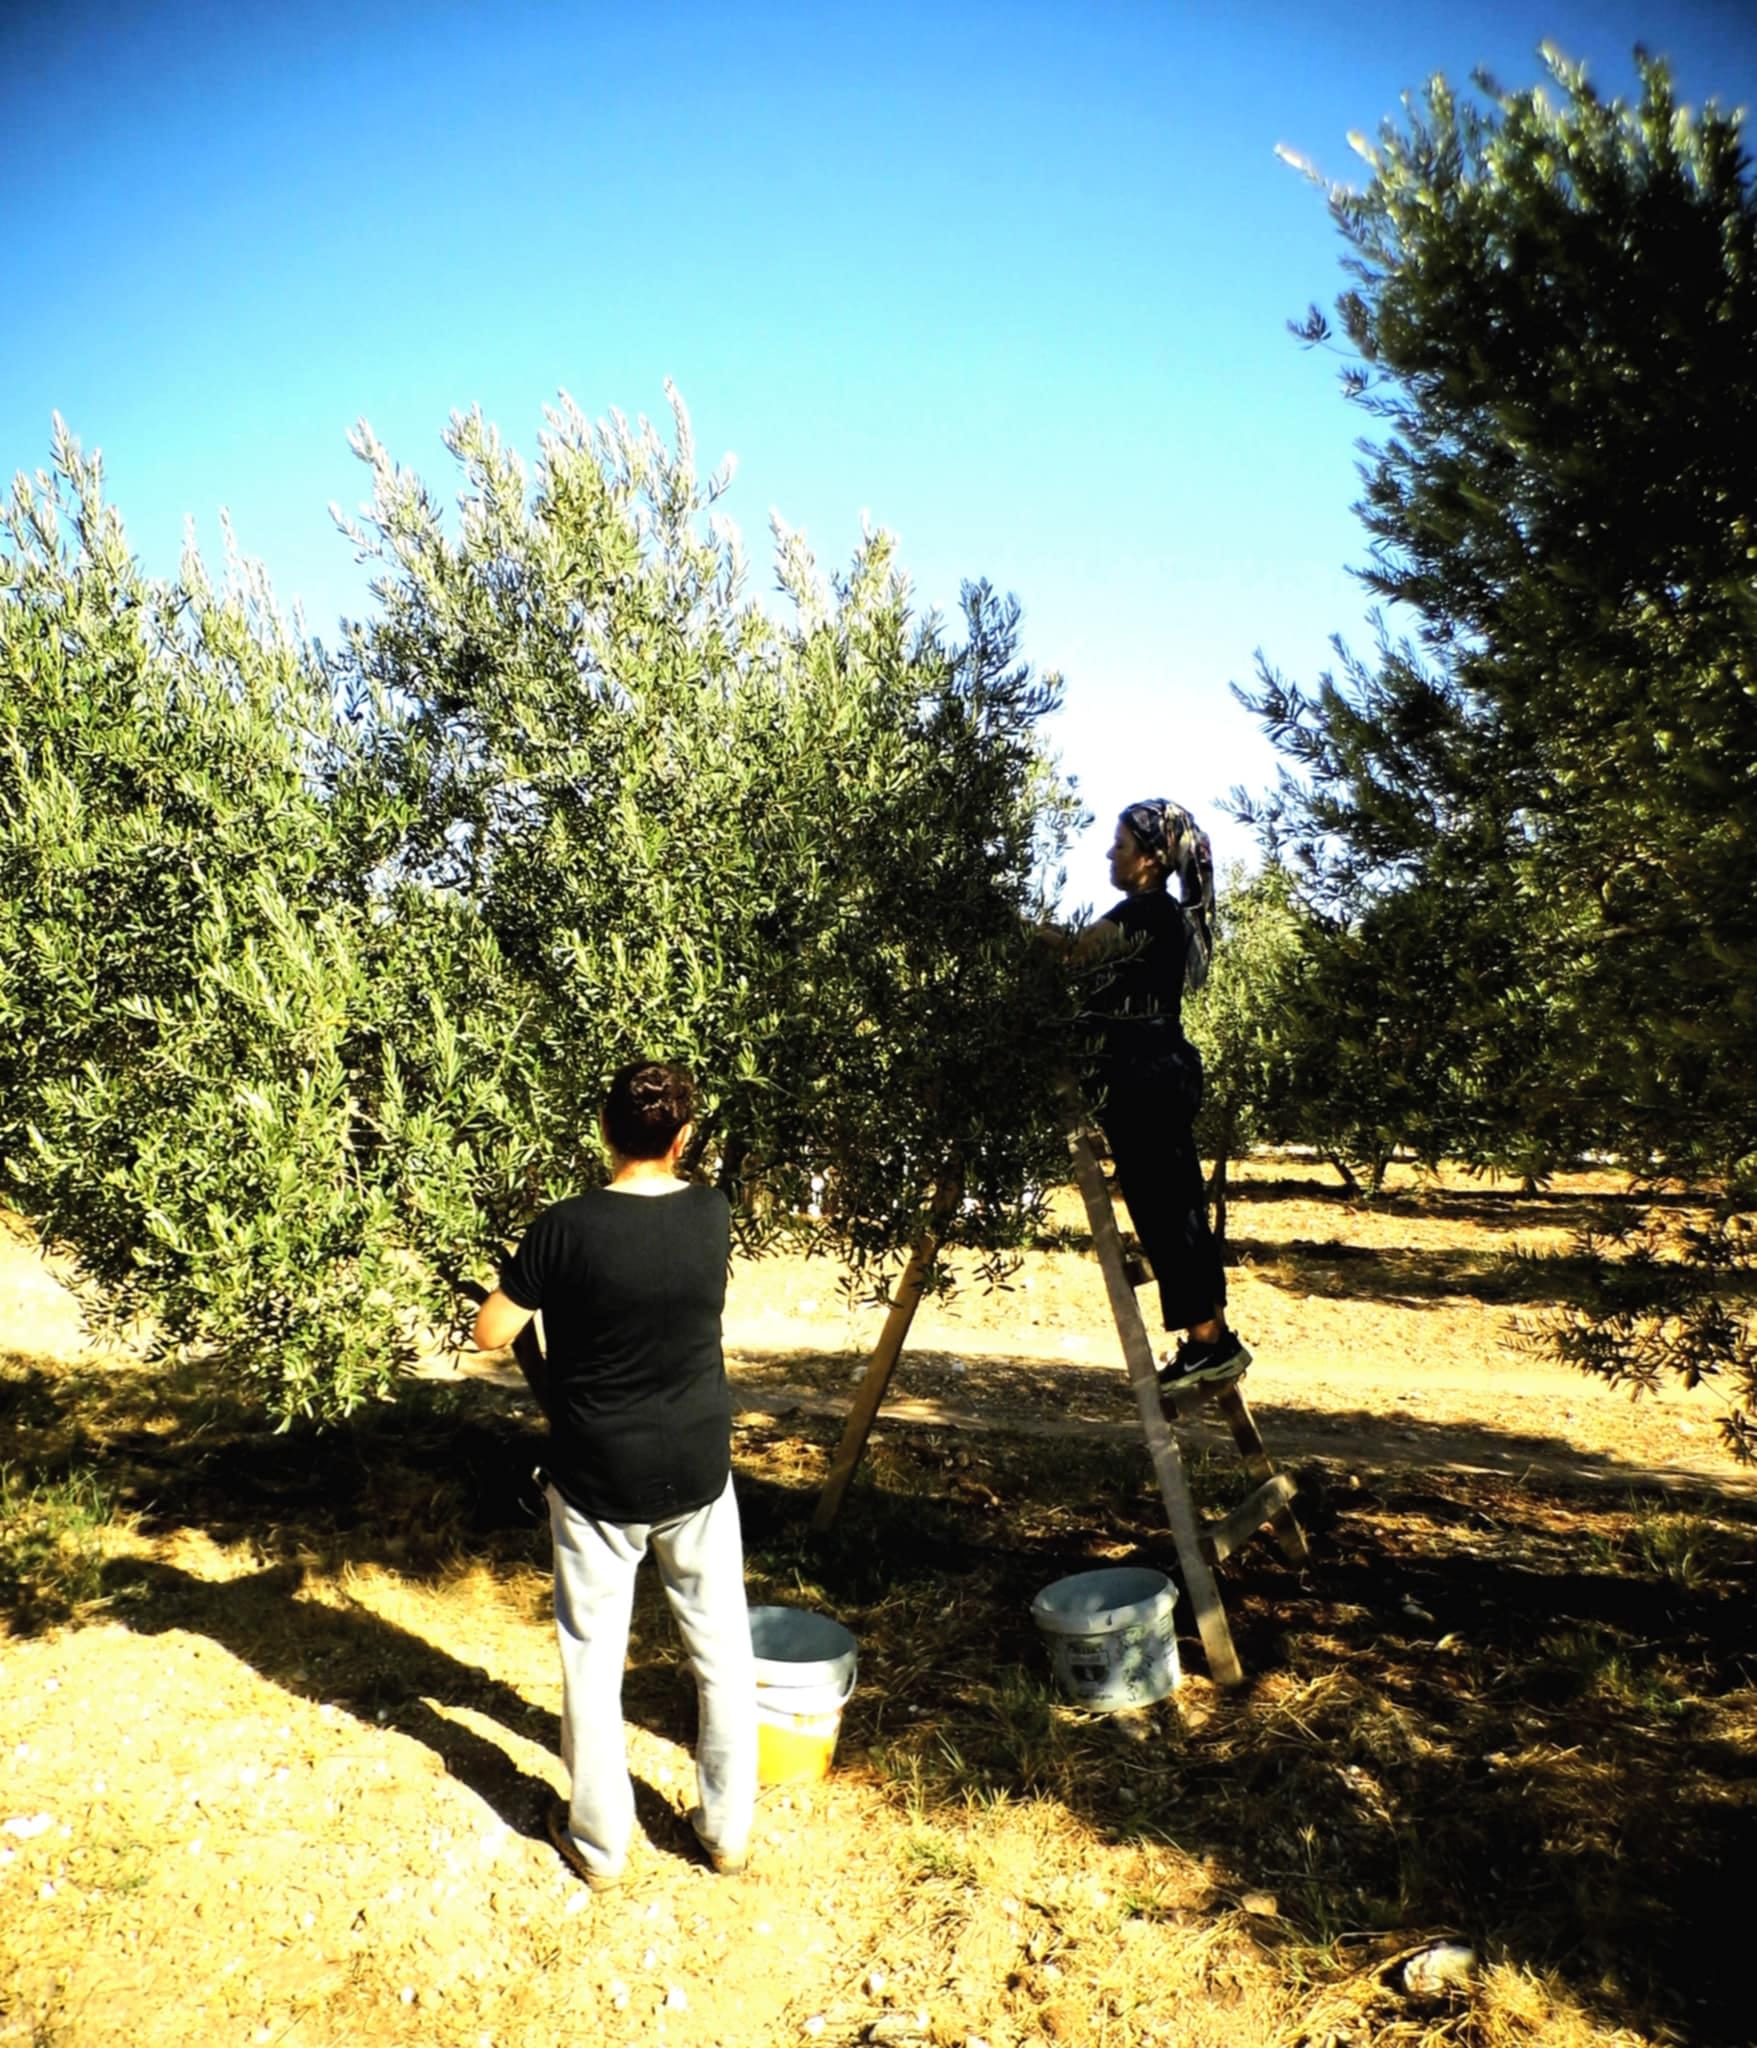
[(1111, 1636), (805, 1667)]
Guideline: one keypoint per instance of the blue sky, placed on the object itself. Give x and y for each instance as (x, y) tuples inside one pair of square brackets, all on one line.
[(1013, 280)]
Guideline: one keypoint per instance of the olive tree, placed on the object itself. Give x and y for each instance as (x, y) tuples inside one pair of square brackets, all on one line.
[(312, 968), (1244, 1020), (801, 852), (1551, 321), (198, 1081)]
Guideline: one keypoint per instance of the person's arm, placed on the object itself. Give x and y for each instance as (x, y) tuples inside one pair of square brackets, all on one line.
[(498, 1321), (501, 1320), (1095, 941)]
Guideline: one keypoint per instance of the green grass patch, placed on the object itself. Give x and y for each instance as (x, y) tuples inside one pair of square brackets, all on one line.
[(53, 1531)]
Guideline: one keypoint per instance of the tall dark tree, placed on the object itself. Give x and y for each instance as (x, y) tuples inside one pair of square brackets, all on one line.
[(1553, 324)]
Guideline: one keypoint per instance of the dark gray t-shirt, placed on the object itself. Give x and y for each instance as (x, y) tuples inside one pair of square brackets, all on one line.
[(631, 1288)]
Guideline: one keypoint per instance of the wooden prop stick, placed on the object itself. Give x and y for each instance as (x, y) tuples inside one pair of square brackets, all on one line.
[(1168, 1464), (883, 1362)]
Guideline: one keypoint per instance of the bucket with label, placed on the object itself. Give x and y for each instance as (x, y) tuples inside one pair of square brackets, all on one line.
[(805, 1665), (1111, 1637)]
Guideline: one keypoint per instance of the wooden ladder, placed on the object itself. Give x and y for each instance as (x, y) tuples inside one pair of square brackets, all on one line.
[(1199, 1547)]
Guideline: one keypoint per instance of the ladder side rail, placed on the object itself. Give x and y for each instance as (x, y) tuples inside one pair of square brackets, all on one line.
[(1235, 1529), (1168, 1467)]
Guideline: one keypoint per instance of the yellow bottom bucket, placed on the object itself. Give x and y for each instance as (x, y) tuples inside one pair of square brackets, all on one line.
[(805, 1666), (791, 1747)]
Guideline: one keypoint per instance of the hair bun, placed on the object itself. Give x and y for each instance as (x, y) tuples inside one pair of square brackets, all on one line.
[(645, 1107)]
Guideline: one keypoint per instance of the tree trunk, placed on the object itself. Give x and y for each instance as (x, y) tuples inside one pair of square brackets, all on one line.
[(1217, 1188)]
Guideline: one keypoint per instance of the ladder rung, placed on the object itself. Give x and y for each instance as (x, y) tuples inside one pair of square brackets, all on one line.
[(1220, 1539)]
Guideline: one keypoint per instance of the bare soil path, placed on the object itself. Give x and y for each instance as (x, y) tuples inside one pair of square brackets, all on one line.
[(1384, 1331)]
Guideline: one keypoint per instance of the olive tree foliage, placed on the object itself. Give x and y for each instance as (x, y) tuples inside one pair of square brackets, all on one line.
[(1243, 1022), (1307, 1037), (1535, 814), (193, 1072), (1386, 1053), (801, 854), (312, 968)]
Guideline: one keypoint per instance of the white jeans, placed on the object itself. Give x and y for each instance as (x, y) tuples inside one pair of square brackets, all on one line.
[(701, 1565)]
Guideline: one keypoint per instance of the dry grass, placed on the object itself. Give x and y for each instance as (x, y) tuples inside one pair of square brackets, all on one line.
[(288, 1705)]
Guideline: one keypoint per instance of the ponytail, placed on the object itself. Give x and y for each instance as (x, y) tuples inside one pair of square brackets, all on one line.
[(1194, 865)]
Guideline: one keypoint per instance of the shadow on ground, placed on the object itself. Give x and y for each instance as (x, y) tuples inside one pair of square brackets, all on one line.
[(1415, 1277), (980, 1395), (1518, 1716), (350, 1658), (1517, 1709), (1411, 1276)]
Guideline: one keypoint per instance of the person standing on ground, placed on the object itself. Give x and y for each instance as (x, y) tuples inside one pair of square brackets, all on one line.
[(1150, 1075), (631, 1282)]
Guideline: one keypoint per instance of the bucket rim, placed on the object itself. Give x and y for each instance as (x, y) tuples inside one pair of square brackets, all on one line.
[(828, 1653), (1109, 1617), (825, 1625)]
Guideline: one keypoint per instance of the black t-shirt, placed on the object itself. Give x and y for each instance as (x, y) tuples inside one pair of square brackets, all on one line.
[(1148, 981), (631, 1288)]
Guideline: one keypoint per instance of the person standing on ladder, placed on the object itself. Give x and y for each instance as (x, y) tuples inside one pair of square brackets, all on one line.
[(1150, 1076)]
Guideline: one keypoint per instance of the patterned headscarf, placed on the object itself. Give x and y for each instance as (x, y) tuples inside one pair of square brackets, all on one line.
[(1167, 830)]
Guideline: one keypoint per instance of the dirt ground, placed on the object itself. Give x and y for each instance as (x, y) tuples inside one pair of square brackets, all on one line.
[(278, 1713), (1393, 1323)]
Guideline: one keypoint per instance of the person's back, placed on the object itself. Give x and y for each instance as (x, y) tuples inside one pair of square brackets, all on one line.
[(632, 1289)]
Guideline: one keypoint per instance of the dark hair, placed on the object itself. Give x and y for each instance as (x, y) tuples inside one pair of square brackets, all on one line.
[(645, 1106)]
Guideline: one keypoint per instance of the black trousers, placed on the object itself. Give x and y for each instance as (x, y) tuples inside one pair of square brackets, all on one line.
[(1148, 1119)]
